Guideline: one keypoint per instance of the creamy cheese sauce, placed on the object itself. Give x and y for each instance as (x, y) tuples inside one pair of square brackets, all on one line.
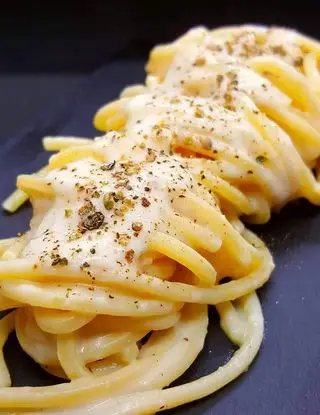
[(106, 212), (170, 121), (245, 42), (216, 63), (198, 70), (199, 87)]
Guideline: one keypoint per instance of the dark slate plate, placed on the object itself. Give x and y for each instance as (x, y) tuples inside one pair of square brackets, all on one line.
[(284, 379)]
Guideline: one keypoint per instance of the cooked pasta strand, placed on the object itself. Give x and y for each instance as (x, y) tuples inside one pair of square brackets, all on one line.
[(69, 356), (35, 186), (15, 200), (61, 142), (60, 322), (34, 293), (71, 154), (79, 297), (185, 255)]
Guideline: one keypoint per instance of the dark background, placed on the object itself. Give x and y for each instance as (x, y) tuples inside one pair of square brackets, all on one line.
[(47, 48), (79, 36)]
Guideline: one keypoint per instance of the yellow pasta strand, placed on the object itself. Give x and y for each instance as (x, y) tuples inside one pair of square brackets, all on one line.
[(110, 116), (35, 186), (195, 235), (135, 324), (310, 66), (159, 400), (302, 133), (289, 80), (71, 154), (80, 390), (185, 255), (60, 322), (129, 353), (80, 297), (231, 323), (69, 357), (39, 345), (15, 200), (54, 296), (60, 142), (99, 346), (132, 91)]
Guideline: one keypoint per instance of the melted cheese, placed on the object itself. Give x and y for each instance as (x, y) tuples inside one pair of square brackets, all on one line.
[(168, 121), (198, 70), (105, 213)]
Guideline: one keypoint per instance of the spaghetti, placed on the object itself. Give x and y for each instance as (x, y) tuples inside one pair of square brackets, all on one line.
[(246, 99), (133, 232)]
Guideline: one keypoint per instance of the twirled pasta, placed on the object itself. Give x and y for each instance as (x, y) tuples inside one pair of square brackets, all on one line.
[(133, 232), (124, 231), (241, 97)]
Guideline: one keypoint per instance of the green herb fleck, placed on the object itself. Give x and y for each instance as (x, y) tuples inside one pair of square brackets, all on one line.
[(67, 213)]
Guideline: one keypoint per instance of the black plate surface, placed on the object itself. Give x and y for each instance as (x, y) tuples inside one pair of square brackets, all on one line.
[(285, 378)]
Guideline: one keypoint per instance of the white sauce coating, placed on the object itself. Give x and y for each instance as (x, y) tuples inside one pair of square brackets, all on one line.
[(216, 63), (167, 120), (199, 70), (106, 212), (207, 73)]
